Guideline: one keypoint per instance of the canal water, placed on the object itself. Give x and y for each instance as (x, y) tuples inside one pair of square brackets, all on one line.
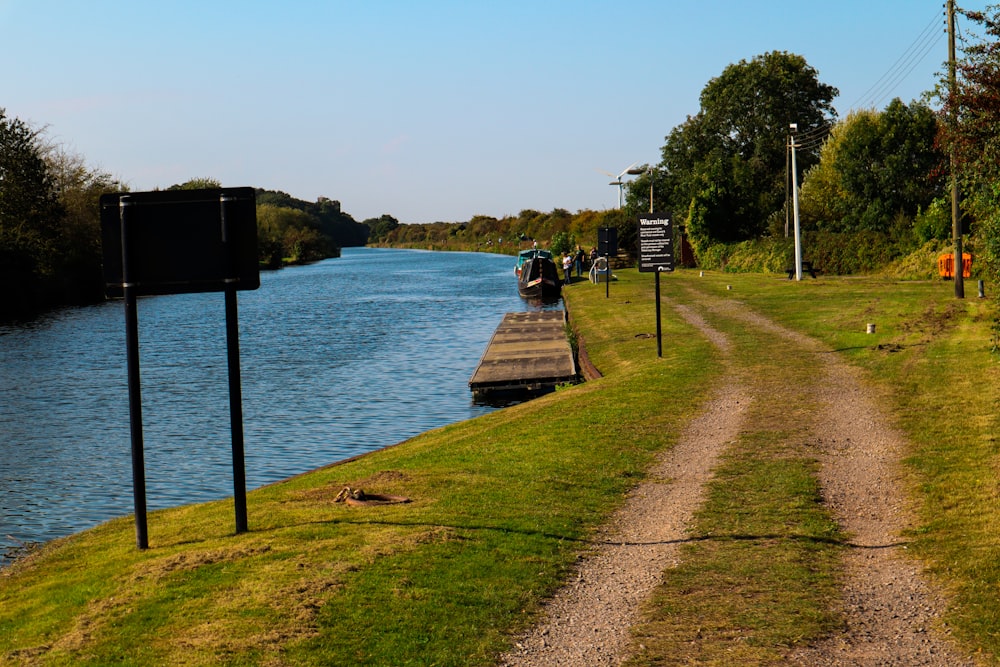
[(338, 358)]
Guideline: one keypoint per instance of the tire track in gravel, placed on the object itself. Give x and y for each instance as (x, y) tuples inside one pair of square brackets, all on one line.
[(588, 622), (891, 613)]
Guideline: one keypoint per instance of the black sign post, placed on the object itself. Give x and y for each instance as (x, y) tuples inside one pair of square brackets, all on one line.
[(656, 254), (176, 242), (607, 245), (134, 385), (227, 201)]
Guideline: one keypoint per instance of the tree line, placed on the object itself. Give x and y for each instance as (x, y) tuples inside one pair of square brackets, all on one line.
[(558, 230), (874, 185), (50, 228)]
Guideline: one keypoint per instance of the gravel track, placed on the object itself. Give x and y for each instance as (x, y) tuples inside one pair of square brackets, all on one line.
[(589, 620), (891, 614)]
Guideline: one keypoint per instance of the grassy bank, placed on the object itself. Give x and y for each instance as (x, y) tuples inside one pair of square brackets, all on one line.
[(503, 504)]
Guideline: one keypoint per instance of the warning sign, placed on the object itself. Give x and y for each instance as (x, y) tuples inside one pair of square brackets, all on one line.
[(656, 242)]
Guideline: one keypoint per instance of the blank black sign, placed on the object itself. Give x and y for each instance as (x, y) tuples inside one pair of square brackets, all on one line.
[(607, 241), (181, 241)]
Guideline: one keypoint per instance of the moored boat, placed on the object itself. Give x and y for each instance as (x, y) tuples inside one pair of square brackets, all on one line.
[(538, 278), (524, 255)]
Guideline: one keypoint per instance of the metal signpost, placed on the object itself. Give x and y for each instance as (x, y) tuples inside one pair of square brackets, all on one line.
[(177, 242), (656, 254), (607, 245)]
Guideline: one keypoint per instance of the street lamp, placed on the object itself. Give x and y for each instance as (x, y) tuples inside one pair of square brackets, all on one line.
[(640, 171)]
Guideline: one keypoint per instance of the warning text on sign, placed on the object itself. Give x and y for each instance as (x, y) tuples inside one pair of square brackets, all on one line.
[(656, 243)]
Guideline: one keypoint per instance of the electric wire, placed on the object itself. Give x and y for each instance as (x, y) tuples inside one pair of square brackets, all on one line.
[(908, 61), (811, 139), (903, 75)]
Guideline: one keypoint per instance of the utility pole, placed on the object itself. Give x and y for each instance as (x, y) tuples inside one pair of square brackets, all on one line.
[(956, 220)]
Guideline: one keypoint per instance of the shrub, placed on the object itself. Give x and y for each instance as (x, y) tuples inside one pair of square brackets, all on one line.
[(933, 222)]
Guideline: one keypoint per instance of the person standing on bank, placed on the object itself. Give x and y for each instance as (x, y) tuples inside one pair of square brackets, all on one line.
[(567, 262), (579, 261)]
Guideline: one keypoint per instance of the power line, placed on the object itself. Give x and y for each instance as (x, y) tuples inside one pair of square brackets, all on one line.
[(812, 139), (914, 54), (903, 75), (817, 134)]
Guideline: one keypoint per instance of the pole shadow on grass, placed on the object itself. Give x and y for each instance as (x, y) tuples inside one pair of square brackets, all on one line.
[(738, 537)]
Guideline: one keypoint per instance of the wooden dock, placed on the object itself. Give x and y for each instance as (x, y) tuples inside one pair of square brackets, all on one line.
[(528, 352)]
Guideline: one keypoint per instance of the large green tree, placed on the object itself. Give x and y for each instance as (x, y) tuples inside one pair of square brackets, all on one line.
[(286, 234), (724, 169), (379, 228), (339, 227), (875, 168)]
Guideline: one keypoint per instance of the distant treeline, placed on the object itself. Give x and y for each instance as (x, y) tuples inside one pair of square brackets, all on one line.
[(293, 231), (558, 230)]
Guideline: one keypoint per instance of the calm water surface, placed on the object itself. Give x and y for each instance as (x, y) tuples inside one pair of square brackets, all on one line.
[(338, 358)]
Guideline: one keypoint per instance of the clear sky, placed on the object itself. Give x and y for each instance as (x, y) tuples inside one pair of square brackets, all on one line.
[(426, 110)]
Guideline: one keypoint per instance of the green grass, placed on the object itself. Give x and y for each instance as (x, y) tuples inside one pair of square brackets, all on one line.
[(503, 504)]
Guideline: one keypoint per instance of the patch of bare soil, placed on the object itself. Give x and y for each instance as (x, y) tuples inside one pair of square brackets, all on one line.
[(892, 615)]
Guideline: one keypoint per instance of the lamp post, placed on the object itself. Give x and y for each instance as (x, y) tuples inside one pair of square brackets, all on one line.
[(639, 172), (793, 127)]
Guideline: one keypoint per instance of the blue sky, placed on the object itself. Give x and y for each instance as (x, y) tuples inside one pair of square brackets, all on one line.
[(424, 110)]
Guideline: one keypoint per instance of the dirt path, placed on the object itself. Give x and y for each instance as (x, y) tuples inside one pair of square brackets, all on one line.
[(588, 622), (889, 610)]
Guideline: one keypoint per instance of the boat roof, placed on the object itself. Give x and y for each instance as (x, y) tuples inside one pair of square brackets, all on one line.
[(534, 252)]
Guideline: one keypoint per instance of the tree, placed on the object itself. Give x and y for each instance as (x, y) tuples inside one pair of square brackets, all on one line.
[(822, 199), (339, 227), (875, 168), (562, 243), (379, 227), (725, 166), (30, 215), (889, 164), (77, 258), (203, 183), (289, 234)]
